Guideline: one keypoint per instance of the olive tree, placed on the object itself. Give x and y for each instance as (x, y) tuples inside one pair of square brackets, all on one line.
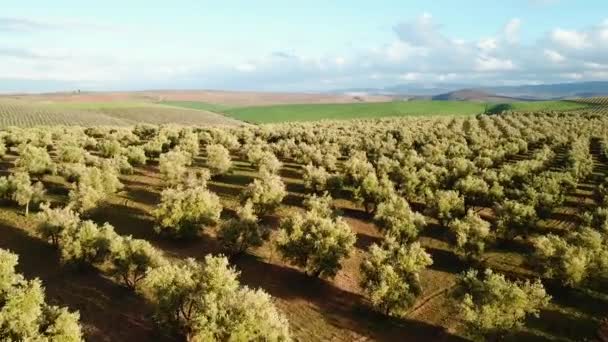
[(35, 160), (23, 191), (263, 160), (244, 231), (136, 155), (315, 242), (71, 153), (474, 189), (173, 166), (373, 191), (218, 159), (24, 314), (357, 167), (265, 193), (390, 275), (514, 219), (94, 184), (490, 304), (132, 258), (447, 205), (56, 223), (575, 259), (395, 217), (89, 244), (109, 148), (183, 213), (315, 178), (471, 235), (205, 302)]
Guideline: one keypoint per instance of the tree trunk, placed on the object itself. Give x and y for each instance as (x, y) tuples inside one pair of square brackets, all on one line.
[(27, 208)]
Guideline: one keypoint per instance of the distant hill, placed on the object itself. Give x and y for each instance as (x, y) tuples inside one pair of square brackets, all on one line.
[(553, 91), (474, 95), (467, 92)]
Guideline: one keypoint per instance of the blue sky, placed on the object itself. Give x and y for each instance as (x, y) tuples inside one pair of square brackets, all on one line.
[(310, 46)]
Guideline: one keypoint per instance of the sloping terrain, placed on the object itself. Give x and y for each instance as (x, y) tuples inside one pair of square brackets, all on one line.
[(33, 113), (473, 95), (230, 98)]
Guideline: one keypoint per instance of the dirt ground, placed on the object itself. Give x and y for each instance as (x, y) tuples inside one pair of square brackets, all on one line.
[(231, 98)]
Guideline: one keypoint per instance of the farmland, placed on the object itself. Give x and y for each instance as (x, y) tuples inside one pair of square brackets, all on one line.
[(314, 112), (447, 193), (26, 112)]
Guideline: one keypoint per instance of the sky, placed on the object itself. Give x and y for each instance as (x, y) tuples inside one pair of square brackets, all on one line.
[(313, 45)]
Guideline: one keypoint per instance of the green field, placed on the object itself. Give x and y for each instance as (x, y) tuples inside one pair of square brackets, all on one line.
[(342, 111)]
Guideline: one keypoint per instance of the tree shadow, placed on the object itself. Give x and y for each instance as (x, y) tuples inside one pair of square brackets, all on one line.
[(233, 179), (290, 173), (140, 195), (364, 241), (223, 190), (108, 311), (338, 307), (446, 261)]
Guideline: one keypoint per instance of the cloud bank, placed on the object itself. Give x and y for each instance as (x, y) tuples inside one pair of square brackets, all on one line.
[(420, 52)]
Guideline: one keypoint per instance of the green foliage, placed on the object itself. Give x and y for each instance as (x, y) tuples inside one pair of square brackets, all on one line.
[(173, 166), (88, 244), (474, 189), (93, 186), (35, 160), (263, 160), (183, 213), (71, 153), (218, 159), (315, 178), (136, 155), (206, 303), (265, 193), (491, 304), (55, 223), (321, 205), (447, 205), (21, 190), (132, 258), (398, 220), (514, 219), (373, 191), (109, 148), (576, 259), (24, 315), (390, 275), (357, 168), (471, 234), (316, 242), (244, 231)]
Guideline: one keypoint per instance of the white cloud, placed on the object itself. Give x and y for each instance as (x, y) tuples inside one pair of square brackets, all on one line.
[(487, 44), (487, 63), (554, 56), (420, 53), (511, 30), (572, 75), (570, 39), (422, 31), (245, 67), (410, 76)]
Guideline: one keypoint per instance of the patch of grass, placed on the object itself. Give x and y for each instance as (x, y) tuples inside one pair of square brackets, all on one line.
[(342, 111)]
